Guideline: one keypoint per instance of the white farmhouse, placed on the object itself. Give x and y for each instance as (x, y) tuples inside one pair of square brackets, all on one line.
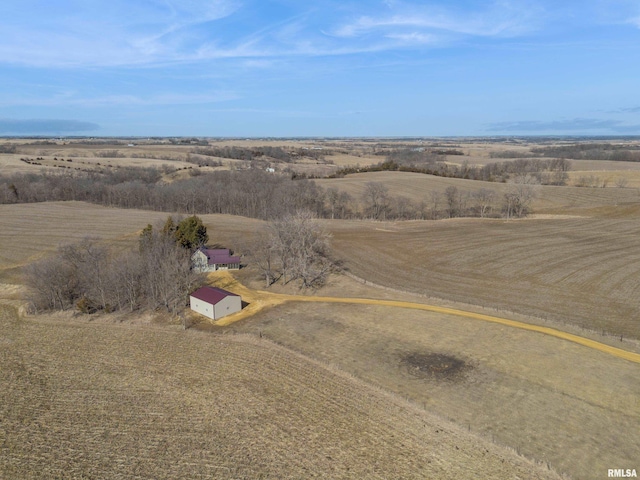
[(212, 259), (214, 303)]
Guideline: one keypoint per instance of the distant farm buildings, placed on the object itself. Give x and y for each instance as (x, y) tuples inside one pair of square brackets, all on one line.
[(214, 303), (213, 259)]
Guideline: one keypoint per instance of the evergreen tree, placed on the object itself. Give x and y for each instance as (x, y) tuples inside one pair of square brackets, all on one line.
[(146, 237), (191, 233), (170, 227)]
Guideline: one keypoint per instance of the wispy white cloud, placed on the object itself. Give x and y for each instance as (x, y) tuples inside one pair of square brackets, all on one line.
[(11, 126), (113, 33), (164, 32), (119, 100), (635, 21), (502, 18), (413, 38)]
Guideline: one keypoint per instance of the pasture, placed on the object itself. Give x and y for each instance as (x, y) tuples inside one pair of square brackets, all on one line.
[(87, 399), (557, 402), (549, 199)]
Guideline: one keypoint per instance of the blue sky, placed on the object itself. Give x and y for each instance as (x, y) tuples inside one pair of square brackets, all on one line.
[(319, 68)]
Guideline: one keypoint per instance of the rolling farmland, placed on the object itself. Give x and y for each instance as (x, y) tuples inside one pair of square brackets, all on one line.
[(406, 392), (577, 271), (550, 399), (122, 401)]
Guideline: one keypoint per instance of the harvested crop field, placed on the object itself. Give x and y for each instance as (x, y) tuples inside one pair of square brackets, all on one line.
[(83, 399), (31, 230), (578, 271)]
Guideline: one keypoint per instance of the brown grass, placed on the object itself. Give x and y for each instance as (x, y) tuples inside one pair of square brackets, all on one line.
[(118, 401), (418, 187), (551, 400)]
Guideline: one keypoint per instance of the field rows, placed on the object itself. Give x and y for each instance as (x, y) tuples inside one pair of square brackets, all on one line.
[(116, 401), (31, 231), (580, 271)]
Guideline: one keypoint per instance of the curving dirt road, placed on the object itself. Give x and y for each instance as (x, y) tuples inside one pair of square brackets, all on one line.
[(259, 299)]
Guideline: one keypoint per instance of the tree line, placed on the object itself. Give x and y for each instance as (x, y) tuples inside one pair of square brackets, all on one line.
[(91, 277), (542, 171), (251, 193), (287, 155), (577, 151), (591, 151)]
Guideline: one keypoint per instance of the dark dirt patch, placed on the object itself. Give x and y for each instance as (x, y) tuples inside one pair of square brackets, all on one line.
[(435, 365)]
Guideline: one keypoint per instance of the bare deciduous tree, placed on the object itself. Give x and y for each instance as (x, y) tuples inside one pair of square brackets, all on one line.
[(483, 200), (452, 197), (89, 276), (52, 284), (376, 200), (295, 246), (517, 200)]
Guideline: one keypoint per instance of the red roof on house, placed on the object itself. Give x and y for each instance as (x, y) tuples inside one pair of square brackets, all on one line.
[(212, 295), (219, 256)]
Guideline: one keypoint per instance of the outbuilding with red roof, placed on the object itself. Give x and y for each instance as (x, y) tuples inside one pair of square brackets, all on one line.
[(214, 303)]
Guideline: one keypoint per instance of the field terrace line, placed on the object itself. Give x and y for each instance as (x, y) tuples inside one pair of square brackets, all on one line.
[(266, 299)]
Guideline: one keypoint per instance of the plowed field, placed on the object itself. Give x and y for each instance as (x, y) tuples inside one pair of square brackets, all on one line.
[(580, 271)]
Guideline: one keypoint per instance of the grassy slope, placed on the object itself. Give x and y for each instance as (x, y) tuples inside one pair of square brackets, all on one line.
[(30, 231), (557, 402), (418, 187), (116, 401)]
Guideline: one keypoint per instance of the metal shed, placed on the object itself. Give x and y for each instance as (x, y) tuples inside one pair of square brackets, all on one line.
[(214, 303)]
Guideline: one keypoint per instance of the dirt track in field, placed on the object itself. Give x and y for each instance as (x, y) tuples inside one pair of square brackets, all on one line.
[(259, 299)]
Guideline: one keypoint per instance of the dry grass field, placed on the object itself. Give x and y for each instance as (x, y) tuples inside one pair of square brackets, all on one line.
[(549, 199), (557, 402), (92, 400), (78, 155)]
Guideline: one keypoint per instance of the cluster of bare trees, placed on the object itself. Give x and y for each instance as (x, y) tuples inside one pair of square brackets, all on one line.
[(293, 247), (265, 152), (251, 193), (591, 151), (376, 203), (545, 171), (91, 277)]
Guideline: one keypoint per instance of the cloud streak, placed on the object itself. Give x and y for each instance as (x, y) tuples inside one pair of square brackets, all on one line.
[(121, 100), (43, 127), (499, 20), (114, 33), (161, 32)]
